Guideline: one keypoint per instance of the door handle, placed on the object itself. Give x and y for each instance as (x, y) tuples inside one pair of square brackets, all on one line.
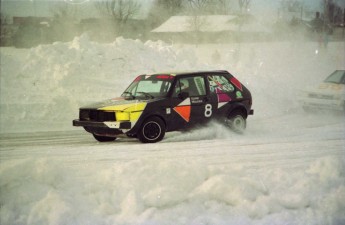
[(207, 98)]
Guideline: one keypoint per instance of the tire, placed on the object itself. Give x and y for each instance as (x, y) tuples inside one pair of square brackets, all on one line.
[(237, 121), (103, 138), (152, 130)]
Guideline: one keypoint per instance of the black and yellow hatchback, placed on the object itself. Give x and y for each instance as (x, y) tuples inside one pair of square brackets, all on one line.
[(158, 103)]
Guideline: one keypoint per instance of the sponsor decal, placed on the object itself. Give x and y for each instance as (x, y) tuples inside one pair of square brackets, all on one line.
[(222, 97), (220, 82), (185, 102), (184, 109), (221, 104), (239, 94), (196, 100), (208, 110), (112, 124), (125, 112)]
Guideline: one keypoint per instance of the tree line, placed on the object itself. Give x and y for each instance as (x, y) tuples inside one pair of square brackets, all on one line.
[(120, 17)]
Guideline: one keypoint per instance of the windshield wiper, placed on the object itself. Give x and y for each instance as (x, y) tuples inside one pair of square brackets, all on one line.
[(146, 94)]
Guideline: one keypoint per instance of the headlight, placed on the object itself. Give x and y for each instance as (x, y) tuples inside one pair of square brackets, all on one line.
[(128, 116)]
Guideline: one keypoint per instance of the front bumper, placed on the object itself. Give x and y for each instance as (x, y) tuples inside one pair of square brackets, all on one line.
[(120, 125), (323, 104)]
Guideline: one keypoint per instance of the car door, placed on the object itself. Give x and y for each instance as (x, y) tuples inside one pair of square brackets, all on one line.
[(190, 102)]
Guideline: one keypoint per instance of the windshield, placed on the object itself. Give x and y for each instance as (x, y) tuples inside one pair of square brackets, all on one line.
[(336, 77), (145, 86)]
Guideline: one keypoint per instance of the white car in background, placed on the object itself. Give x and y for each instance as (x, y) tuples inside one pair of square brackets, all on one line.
[(330, 94)]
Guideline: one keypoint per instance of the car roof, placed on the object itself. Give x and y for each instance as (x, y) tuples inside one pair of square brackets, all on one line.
[(186, 73)]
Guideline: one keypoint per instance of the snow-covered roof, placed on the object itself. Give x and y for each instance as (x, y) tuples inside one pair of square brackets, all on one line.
[(213, 23)]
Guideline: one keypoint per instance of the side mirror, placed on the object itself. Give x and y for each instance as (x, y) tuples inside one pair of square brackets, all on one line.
[(183, 95)]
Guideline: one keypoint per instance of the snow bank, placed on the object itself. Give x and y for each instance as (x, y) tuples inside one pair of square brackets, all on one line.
[(154, 191), (44, 90)]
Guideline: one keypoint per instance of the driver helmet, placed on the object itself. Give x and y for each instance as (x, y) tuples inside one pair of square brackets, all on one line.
[(184, 84)]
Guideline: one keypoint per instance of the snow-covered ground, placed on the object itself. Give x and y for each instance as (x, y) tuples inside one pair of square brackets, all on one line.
[(288, 167)]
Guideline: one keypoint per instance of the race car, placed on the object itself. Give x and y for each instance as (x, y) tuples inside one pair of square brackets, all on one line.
[(158, 103), (329, 95)]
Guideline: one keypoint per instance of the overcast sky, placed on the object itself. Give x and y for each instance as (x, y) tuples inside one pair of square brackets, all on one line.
[(43, 7)]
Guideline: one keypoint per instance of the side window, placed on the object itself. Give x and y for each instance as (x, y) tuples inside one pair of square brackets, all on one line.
[(195, 86), (180, 86), (220, 83), (200, 85)]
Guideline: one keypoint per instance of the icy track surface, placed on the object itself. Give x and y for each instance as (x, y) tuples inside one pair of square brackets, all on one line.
[(274, 174), (288, 168)]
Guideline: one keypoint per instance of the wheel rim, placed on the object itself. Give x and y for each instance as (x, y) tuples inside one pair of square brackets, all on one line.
[(238, 123), (152, 130)]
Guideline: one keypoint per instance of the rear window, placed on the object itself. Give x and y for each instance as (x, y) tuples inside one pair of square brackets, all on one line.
[(219, 83)]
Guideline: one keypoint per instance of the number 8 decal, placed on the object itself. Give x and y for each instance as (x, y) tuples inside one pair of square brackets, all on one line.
[(208, 110)]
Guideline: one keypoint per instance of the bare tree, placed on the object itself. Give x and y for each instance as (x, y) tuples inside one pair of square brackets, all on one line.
[(119, 10), (244, 4), (117, 13), (6, 33), (63, 10), (332, 10), (172, 7), (213, 7), (65, 18), (197, 6), (3, 18), (223, 6), (161, 10), (291, 5)]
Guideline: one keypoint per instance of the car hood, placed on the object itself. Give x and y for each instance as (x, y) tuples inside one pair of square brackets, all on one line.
[(327, 89), (120, 104)]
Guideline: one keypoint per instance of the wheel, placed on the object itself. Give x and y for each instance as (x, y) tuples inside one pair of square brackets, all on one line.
[(152, 130), (103, 138), (237, 121)]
